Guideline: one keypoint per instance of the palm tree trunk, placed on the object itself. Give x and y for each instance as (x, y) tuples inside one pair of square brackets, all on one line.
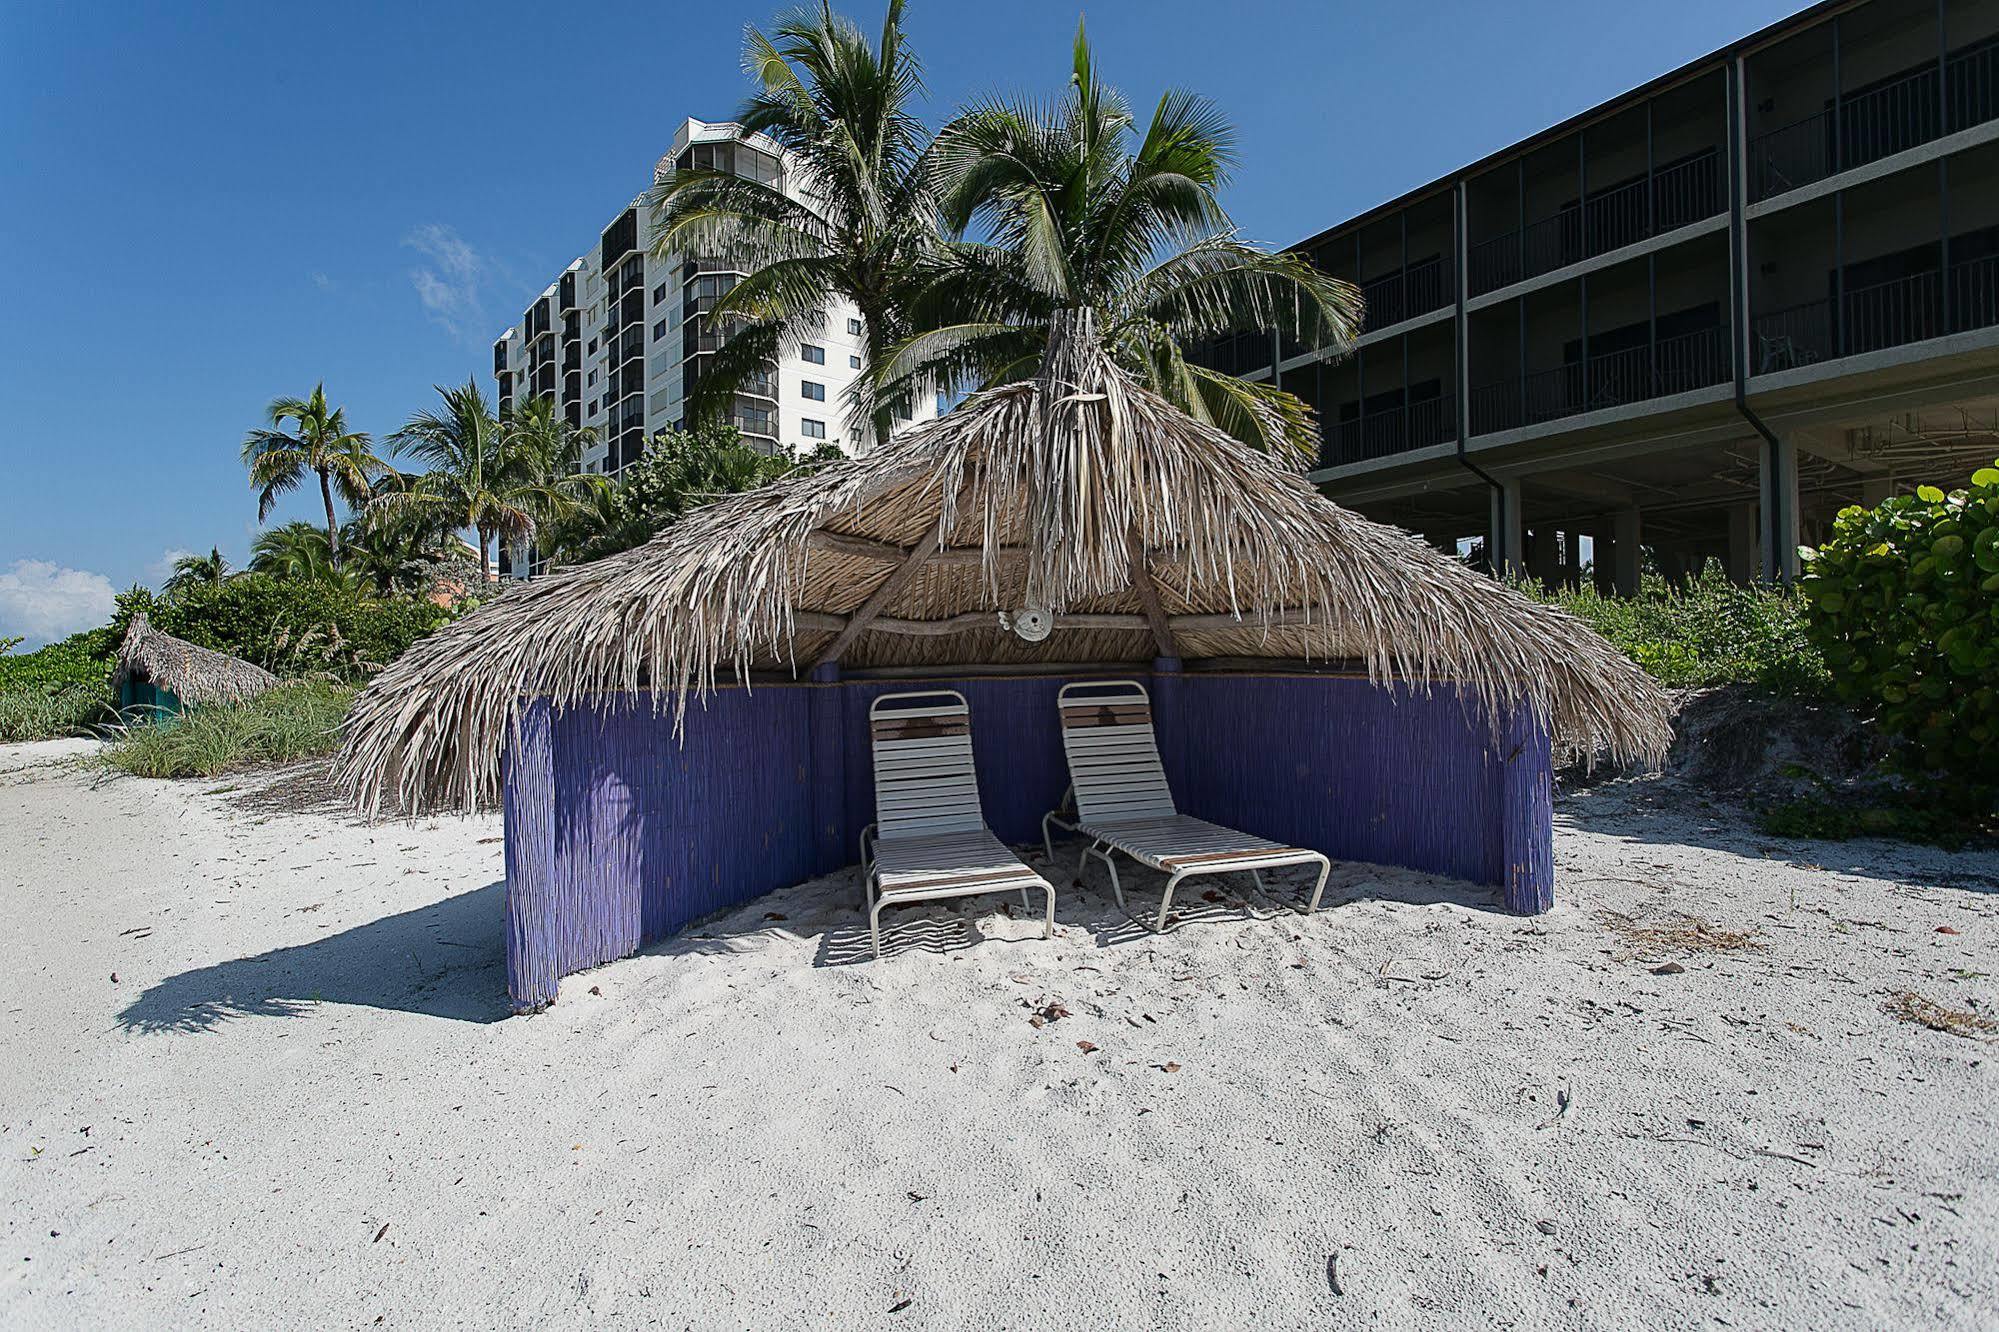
[(485, 562), (332, 524)]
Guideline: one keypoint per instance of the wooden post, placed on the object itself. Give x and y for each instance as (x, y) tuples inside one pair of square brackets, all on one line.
[(1148, 597)]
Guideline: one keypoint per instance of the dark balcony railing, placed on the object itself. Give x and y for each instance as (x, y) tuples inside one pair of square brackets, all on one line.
[(1878, 123), (1415, 290), (1414, 425), (1634, 374), (1671, 198), (1887, 314)]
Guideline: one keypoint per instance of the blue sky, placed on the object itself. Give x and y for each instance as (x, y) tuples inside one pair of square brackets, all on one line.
[(209, 205)]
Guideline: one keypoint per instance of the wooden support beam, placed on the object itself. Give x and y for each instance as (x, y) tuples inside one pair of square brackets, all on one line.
[(821, 622), (841, 543), (888, 589), (1148, 597)]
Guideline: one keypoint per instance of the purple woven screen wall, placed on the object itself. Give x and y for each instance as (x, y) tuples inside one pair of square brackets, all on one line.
[(618, 834)]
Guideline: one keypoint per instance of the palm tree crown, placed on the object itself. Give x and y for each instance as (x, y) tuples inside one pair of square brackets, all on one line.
[(499, 476), (318, 444), (840, 108), (1079, 210)]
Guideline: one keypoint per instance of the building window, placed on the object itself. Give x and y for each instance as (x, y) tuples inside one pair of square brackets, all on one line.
[(809, 353), (853, 362), (659, 330), (593, 407), (810, 428), (593, 346), (854, 327), (814, 391), (659, 293), (592, 379)]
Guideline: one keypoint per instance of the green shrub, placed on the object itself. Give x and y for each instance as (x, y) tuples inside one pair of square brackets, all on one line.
[(289, 626), (296, 720), (1904, 604), (1709, 631), (39, 712), (62, 689), (80, 659)]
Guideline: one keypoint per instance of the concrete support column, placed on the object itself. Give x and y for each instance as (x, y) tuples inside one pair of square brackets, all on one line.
[(1777, 511), (1626, 533), (1742, 559), (1503, 533), (1544, 555), (1603, 558)]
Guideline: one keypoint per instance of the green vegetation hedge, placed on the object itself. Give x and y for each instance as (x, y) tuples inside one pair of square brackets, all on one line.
[(62, 689), (1708, 631), (289, 626), (296, 720), (1904, 603)]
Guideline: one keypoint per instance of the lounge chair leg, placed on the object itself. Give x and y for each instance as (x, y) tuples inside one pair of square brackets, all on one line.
[(1047, 840), (1166, 902), (1047, 921), (1325, 869), (1117, 886), (1256, 876), (875, 928)]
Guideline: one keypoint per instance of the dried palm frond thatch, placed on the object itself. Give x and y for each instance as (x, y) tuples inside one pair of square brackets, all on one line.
[(1144, 531), (194, 675)]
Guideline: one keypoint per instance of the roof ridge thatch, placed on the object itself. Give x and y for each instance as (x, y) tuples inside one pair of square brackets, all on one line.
[(193, 674), (1034, 493)]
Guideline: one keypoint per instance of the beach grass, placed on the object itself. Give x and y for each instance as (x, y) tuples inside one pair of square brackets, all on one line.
[(297, 720)]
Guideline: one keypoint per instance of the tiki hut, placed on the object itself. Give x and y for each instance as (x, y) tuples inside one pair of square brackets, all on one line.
[(158, 673), (681, 727)]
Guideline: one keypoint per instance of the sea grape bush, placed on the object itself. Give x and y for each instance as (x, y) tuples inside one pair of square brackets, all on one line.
[(1903, 601)]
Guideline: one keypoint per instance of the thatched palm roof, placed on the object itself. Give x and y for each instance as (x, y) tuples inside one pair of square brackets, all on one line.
[(1033, 494), (195, 675)]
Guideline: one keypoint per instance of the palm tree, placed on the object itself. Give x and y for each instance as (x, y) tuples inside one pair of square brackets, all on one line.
[(320, 444), (192, 571), (840, 108), (1078, 215), (498, 478), (295, 550)]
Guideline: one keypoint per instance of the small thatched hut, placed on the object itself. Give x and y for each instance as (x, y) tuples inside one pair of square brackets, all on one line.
[(158, 673), (682, 726)]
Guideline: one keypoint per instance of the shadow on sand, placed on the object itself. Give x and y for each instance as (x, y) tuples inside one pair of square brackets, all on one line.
[(445, 960)]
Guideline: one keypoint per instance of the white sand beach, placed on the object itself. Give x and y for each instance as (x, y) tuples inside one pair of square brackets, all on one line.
[(256, 1070)]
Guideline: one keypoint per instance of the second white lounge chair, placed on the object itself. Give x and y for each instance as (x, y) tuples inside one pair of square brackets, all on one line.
[(1122, 801), (930, 838)]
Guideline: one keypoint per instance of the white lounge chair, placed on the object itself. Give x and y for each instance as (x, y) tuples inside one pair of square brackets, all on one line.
[(930, 839), (1122, 801)]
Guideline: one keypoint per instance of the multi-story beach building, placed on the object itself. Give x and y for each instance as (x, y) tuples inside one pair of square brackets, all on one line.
[(1701, 317)]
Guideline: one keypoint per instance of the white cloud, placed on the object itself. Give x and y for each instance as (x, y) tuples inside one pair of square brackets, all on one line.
[(323, 282), (44, 601), (163, 567), (449, 284)]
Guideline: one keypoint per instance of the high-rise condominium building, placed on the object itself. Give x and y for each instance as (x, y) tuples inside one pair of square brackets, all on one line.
[(621, 336)]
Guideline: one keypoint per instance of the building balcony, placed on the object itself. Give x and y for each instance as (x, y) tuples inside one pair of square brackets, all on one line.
[(1672, 197), (1635, 374), (1865, 127), (1416, 290), (1415, 425), (1888, 314)]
